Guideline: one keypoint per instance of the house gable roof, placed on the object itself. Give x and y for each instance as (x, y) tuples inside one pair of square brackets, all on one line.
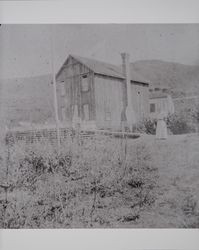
[(106, 69), (100, 67)]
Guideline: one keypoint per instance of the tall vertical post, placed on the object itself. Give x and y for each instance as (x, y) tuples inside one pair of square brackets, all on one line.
[(55, 90), (130, 115)]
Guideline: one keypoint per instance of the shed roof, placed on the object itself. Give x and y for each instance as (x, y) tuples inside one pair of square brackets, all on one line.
[(106, 69), (156, 95)]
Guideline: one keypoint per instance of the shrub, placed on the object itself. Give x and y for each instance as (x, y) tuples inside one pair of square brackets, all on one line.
[(178, 124), (194, 113), (190, 212), (147, 126)]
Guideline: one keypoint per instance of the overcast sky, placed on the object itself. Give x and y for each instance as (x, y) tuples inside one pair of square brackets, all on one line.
[(25, 49)]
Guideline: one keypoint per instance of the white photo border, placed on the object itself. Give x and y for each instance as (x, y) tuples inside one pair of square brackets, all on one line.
[(103, 11)]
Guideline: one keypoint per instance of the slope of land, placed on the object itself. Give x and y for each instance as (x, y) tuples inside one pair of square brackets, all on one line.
[(180, 79), (27, 100)]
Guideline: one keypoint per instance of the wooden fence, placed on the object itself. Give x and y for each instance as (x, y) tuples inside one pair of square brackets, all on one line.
[(50, 135)]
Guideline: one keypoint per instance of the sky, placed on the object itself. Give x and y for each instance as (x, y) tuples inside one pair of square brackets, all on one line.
[(25, 50)]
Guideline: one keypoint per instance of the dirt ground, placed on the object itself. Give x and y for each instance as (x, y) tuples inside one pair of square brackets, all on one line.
[(177, 203)]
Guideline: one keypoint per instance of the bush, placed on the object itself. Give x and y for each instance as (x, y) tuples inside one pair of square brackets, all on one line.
[(190, 211), (178, 124), (147, 126), (194, 113)]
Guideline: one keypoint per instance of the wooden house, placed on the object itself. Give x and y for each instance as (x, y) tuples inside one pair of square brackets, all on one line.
[(95, 92)]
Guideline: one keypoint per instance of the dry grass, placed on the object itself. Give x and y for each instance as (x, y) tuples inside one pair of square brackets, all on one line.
[(177, 203), (94, 182), (102, 182)]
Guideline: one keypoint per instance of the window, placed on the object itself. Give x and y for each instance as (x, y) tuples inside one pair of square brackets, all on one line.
[(63, 89), (85, 86), (86, 112), (107, 116), (152, 107), (63, 112), (107, 109)]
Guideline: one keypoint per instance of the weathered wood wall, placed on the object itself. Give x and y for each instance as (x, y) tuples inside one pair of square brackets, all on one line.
[(70, 92), (162, 105), (105, 97), (140, 100), (108, 101)]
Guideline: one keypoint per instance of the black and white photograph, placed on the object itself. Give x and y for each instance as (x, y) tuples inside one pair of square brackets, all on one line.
[(99, 126)]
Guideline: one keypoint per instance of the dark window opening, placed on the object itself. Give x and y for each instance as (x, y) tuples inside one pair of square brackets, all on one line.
[(86, 112), (85, 83), (107, 116), (152, 107), (63, 89)]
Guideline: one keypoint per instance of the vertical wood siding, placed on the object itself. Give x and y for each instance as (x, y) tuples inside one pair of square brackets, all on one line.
[(164, 104), (71, 77), (108, 101), (140, 101), (106, 96)]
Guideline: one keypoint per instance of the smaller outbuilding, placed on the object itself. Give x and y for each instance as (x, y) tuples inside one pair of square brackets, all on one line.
[(160, 102)]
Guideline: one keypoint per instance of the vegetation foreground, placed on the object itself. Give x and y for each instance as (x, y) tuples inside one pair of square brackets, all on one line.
[(101, 182)]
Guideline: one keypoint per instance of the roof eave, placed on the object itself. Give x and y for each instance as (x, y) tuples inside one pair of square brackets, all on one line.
[(98, 73), (140, 82)]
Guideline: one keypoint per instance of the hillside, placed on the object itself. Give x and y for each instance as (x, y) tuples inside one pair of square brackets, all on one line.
[(26, 100), (179, 78)]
